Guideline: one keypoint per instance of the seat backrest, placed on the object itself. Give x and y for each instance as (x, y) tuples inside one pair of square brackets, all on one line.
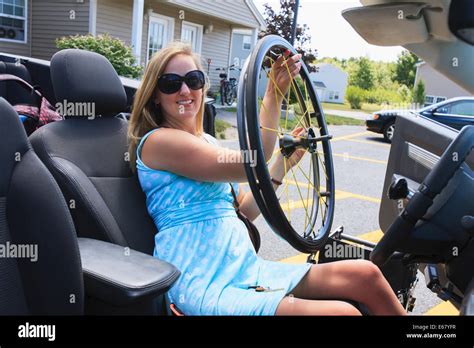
[(40, 266), (87, 154), (12, 91)]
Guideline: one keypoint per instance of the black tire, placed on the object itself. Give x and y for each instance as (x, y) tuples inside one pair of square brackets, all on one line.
[(311, 238), (389, 130), (222, 93), (229, 94)]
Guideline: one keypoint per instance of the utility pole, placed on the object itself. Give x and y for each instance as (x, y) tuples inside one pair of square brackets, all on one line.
[(295, 20), (296, 4)]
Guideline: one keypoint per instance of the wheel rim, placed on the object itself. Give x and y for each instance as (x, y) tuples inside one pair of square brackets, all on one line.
[(306, 233), (390, 131)]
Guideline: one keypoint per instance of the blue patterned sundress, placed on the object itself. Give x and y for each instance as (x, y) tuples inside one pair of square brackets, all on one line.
[(200, 233)]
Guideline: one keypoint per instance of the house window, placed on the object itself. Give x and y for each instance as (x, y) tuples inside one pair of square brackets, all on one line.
[(192, 33), (13, 20), (429, 99), (331, 95), (336, 95), (160, 32), (440, 99), (247, 42)]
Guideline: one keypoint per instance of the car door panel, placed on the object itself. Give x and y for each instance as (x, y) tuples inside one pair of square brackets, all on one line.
[(416, 147)]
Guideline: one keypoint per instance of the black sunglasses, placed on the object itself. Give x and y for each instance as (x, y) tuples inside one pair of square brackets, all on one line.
[(171, 83)]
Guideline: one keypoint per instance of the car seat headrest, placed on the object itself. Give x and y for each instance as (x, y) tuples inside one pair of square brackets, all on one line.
[(80, 76)]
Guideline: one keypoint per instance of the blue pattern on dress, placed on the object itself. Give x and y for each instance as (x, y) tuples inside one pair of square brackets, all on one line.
[(200, 233)]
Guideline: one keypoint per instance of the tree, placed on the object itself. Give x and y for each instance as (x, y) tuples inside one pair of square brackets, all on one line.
[(419, 93), (405, 69), (362, 76), (281, 24)]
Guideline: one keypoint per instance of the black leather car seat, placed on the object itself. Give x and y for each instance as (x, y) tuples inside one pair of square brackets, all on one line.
[(12, 91), (87, 154), (33, 214)]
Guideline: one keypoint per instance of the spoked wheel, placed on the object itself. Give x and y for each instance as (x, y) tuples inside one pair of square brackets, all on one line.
[(301, 210)]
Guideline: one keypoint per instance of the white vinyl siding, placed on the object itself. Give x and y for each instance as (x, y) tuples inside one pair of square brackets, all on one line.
[(115, 18), (235, 11), (53, 19)]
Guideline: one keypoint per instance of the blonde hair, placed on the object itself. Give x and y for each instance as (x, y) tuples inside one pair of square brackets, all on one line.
[(146, 115)]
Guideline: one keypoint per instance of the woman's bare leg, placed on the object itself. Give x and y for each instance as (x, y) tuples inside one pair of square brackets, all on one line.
[(358, 280), (296, 306)]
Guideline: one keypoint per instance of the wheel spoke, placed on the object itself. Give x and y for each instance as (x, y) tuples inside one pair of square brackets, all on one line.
[(299, 191), (281, 132), (324, 166)]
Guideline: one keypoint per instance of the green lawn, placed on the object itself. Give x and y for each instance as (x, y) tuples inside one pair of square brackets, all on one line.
[(330, 120), (369, 108), (346, 107), (221, 126)]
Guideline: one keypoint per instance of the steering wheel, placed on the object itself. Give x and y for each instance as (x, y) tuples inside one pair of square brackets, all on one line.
[(419, 204), (312, 179)]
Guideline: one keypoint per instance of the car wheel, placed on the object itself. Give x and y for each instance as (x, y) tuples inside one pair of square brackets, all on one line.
[(389, 130)]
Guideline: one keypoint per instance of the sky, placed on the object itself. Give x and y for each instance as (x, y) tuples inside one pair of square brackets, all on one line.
[(331, 34)]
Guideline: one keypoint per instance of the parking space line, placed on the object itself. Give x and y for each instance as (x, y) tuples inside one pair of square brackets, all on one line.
[(300, 204), (365, 198), (297, 259), (444, 308), (346, 155), (344, 194), (368, 142), (373, 236), (349, 136)]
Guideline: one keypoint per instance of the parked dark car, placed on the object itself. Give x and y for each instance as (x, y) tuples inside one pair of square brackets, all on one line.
[(455, 112)]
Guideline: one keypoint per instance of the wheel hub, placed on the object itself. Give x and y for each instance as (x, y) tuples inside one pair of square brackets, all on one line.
[(289, 143)]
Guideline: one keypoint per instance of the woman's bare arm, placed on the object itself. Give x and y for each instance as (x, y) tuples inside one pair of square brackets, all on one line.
[(182, 153)]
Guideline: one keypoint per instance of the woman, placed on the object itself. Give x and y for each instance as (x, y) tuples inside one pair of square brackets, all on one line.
[(188, 196)]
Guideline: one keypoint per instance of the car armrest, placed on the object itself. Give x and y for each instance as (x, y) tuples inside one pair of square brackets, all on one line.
[(121, 276)]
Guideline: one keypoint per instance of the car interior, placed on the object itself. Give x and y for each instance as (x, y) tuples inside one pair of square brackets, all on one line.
[(69, 189)]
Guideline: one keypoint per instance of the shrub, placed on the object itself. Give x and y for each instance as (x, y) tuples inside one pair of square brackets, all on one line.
[(405, 93), (355, 96), (116, 51), (382, 96)]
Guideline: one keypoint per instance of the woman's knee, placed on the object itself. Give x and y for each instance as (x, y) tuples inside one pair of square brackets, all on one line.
[(368, 272)]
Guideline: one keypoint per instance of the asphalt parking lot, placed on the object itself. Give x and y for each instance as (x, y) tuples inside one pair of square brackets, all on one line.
[(360, 160)]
